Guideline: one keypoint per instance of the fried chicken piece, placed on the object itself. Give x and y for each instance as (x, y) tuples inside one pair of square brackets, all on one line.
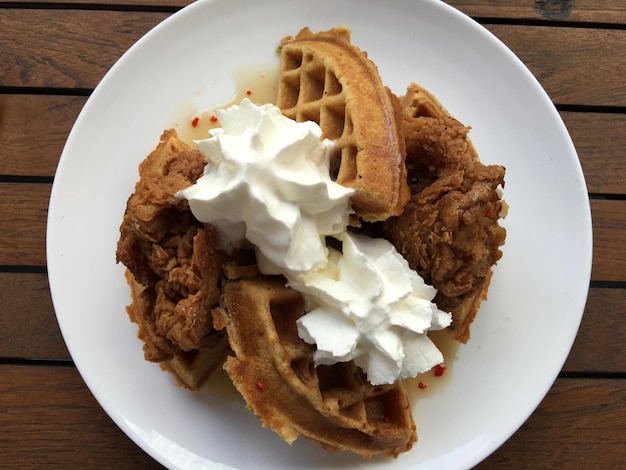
[(190, 368), (153, 213), (449, 231), (175, 261)]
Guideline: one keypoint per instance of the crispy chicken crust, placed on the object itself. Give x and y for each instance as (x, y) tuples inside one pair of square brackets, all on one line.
[(174, 261), (449, 231)]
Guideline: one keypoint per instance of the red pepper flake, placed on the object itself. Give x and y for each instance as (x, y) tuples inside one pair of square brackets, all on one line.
[(440, 370), (195, 121), (487, 213), (213, 118), (386, 419), (260, 385), (248, 92), (422, 385)]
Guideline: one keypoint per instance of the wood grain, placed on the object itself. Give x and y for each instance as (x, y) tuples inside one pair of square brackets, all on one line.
[(34, 128), (609, 240), (592, 11), (54, 52), (51, 406), (33, 131), (28, 326), (579, 425), (576, 66), (603, 327), (24, 205), (586, 11), (66, 48), (600, 140), (49, 417), (23, 212), (110, 4), (27, 316)]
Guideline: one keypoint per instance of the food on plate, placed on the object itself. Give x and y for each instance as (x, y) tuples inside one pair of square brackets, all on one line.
[(310, 247)]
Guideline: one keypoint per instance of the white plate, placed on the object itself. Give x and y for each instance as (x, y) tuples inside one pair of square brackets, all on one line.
[(524, 331)]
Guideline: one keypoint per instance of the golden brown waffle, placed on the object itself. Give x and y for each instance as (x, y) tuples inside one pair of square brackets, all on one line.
[(449, 232), (273, 369), (326, 79)]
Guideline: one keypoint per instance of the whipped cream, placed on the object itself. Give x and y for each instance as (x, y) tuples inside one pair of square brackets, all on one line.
[(267, 179), (369, 306)]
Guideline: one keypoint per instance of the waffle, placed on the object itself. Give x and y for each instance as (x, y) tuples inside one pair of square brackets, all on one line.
[(449, 232), (326, 79), (334, 406)]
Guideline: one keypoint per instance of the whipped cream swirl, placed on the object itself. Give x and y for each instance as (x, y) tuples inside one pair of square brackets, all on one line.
[(267, 179), (369, 306)]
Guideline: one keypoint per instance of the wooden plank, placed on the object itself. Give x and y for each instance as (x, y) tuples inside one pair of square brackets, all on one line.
[(576, 66), (600, 141), (48, 416), (33, 131), (34, 128), (609, 240), (580, 424), (599, 345), (27, 317), (588, 11), (147, 4), (66, 48), (22, 241), (26, 297), (23, 212)]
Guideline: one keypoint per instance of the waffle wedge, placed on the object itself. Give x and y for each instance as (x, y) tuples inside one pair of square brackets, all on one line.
[(273, 369), (326, 79)]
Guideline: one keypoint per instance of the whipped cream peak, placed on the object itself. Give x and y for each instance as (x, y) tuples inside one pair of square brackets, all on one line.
[(267, 179), (369, 306)]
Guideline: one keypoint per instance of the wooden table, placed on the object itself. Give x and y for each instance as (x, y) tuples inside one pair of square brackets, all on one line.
[(52, 55)]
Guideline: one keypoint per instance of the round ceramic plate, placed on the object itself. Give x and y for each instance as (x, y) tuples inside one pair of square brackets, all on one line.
[(524, 331)]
